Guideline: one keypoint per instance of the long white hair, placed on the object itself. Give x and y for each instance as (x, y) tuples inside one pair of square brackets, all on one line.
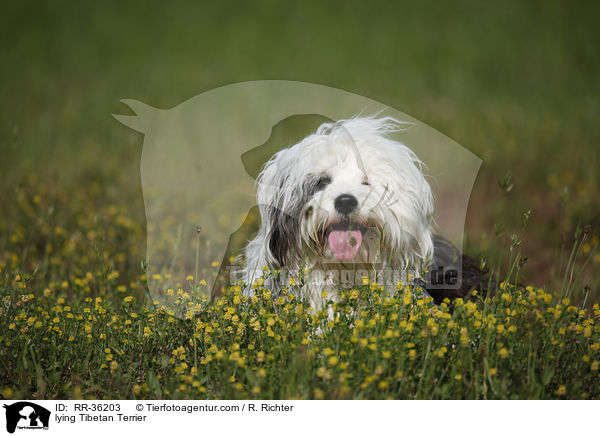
[(299, 186)]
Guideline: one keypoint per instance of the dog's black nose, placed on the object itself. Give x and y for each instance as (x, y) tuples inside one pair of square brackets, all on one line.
[(345, 203)]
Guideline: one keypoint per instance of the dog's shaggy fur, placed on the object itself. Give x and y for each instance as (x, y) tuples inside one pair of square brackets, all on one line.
[(347, 199)]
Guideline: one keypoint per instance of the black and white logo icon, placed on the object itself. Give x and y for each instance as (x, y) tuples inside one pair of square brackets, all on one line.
[(26, 415)]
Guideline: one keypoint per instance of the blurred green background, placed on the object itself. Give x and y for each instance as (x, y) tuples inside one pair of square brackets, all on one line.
[(514, 82)]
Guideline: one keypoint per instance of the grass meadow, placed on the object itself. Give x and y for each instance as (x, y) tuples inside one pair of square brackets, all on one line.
[(515, 83)]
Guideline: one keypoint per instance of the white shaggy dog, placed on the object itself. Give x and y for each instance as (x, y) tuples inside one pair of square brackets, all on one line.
[(346, 199)]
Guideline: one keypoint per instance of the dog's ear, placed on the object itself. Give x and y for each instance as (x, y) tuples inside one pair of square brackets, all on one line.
[(280, 199), (282, 236)]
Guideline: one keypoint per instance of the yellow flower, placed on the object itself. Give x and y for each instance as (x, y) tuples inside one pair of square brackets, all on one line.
[(503, 353), (562, 389), (493, 371)]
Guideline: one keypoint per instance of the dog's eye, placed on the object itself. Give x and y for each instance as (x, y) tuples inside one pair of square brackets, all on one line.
[(322, 182), (366, 183)]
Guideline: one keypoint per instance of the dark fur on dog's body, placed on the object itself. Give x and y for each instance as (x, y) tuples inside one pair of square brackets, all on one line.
[(457, 268)]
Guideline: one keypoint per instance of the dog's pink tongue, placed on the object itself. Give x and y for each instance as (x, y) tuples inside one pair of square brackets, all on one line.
[(345, 243)]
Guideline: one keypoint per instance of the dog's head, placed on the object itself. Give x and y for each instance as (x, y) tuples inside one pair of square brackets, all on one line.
[(347, 193)]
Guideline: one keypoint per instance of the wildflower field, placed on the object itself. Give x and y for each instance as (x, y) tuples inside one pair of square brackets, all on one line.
[(76, 322), (515, 83)]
